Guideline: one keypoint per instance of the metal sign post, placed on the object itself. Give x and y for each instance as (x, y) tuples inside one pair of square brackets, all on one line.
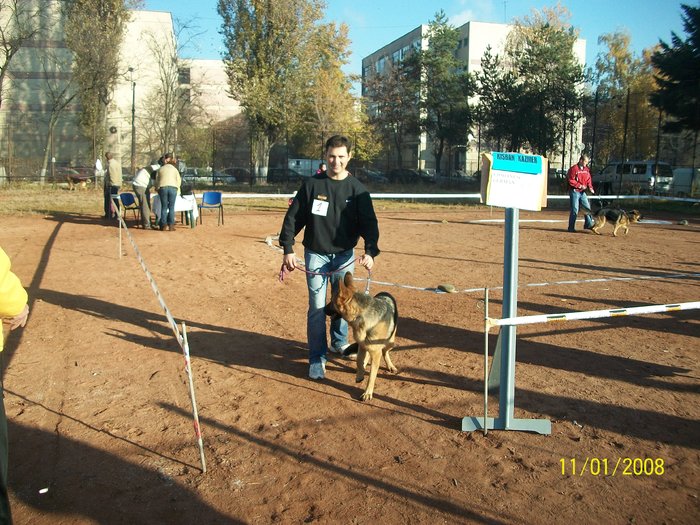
[(513, 170), (504, 357)]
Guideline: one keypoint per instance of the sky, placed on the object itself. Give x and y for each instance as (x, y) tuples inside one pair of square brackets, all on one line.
[(375, 23)]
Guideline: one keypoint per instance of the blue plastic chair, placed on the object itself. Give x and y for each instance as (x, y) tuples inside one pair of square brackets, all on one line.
[(212, 199), (128, 202)]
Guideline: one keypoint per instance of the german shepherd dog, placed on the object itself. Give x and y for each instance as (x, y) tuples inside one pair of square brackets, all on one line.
[(618, 218), (80, 182), (373, 321)]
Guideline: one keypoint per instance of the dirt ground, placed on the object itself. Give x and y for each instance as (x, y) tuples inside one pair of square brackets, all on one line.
[(100, 418)]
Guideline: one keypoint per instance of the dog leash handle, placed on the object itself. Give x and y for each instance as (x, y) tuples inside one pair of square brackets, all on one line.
[(369, 279)]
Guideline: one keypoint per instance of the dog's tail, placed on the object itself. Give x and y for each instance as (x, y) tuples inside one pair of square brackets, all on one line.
[(396, 308)]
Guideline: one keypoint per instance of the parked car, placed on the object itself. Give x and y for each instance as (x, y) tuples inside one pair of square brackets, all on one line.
[(281, 175), (239, 174), (557, 182), (219, 177), (196, 176), (634, 176), (369, 176), (684, 184), (403, 175), (427, 175)]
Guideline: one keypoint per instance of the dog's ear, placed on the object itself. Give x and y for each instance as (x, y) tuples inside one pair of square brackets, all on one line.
[(330, 311), (348, 280)]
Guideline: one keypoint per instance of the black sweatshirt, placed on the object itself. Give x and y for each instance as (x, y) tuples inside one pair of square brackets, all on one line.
[(334, 213)]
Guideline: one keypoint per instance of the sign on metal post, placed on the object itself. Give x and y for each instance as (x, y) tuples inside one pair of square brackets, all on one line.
[(514, 181)]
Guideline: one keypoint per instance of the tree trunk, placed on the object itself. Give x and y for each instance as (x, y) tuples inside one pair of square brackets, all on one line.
[(261, 156), (438, 156), (47, 149)]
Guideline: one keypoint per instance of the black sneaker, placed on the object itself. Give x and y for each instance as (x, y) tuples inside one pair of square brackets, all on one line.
[(350, 350)]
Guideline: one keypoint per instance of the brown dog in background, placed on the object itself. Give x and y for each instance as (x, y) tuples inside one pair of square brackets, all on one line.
[(74, 180), (618, 218), (373, 321)]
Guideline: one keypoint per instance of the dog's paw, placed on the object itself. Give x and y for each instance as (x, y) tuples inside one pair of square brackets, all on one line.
[(393, 370), (366, 396), (359, 379)]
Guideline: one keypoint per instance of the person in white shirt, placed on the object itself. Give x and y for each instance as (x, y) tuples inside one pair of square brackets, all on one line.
[(142, 183)]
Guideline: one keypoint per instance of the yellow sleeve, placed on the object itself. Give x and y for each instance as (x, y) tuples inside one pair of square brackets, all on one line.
[(13, 297)]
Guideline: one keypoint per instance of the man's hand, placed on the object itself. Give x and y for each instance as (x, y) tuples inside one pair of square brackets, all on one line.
[(367, 261), (289, 261), (592, 190)]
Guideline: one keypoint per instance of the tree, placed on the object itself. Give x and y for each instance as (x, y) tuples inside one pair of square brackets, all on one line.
[(504, 114), (541, 51), (626, 124), (678, 76), (392, 98), (269, 59), (445, 88), (60, 92), (94, 32), (330, 106), (20, 21)]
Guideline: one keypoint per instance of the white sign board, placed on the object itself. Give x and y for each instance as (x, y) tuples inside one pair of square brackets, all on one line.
[(514, 180)]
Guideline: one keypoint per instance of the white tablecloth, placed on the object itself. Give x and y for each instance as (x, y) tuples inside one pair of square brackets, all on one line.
[(182, 203)]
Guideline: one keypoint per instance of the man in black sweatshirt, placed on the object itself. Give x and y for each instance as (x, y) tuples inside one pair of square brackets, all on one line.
[(334, 210)]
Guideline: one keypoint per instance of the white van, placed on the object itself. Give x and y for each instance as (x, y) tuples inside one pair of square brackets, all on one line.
[(683, 183), (638, 177)]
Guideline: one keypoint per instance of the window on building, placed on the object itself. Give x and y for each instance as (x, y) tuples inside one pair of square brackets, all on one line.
[(184, 75), (185, 95), (380, 65)]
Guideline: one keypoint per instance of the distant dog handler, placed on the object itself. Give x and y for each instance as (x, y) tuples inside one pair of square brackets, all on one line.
[(113, 183), (334, 209), (168, 182), (142, 188), (579, 179), (13, 312)]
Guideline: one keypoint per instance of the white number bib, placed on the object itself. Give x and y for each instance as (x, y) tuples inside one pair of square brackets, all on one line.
[(319, 208)]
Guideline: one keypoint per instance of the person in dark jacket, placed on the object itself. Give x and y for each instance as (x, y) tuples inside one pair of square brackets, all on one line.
[(334, 209)]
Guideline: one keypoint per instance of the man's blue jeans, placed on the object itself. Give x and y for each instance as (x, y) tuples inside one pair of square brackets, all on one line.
[(317, 285), (167, 195), (111, 194), (577, 198)]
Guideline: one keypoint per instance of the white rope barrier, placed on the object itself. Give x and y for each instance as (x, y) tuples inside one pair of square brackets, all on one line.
[(460, 196), (180, 337), (270, 238), (592, 314), (597, 280)]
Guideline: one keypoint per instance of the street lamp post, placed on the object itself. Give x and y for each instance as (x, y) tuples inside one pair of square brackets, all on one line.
[(133, 122)]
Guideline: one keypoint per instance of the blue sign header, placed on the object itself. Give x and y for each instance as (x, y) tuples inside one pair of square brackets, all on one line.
[(517, 162)]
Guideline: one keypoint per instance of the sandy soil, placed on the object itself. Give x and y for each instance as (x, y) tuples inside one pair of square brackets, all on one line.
[(99, 412)]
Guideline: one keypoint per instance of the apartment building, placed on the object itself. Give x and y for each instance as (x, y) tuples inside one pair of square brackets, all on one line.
[(43, 67), (474, 38)]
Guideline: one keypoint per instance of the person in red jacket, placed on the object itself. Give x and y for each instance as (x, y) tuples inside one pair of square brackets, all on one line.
[(579, 179)]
